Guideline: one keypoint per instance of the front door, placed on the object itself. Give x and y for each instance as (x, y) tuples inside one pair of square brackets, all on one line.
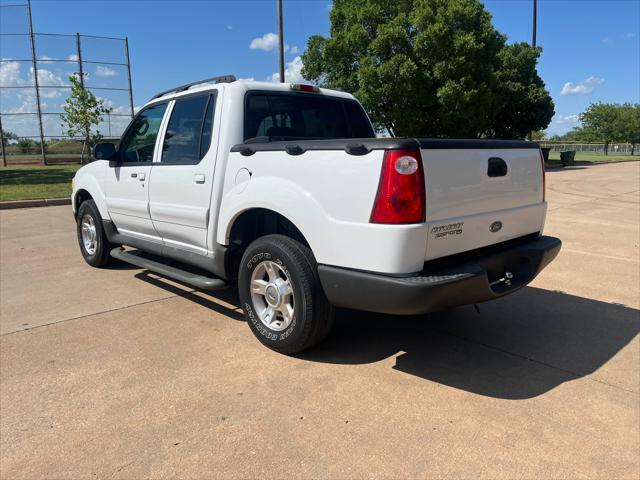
[(180, 192), (127, 183)]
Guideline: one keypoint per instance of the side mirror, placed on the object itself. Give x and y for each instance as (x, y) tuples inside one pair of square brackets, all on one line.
[(104, 151)]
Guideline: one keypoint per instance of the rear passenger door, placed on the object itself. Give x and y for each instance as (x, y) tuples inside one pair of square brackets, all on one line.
[(180, 189)]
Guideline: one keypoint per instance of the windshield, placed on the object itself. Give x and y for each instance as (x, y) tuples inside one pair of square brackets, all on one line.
[(303, 116)]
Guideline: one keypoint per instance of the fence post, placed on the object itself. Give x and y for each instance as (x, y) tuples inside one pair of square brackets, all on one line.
[(2, 144), (126, 49), (37, 86), (81, 75), (80, 72)]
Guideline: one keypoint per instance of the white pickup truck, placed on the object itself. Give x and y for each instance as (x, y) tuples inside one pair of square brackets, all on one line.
[(285, 189)]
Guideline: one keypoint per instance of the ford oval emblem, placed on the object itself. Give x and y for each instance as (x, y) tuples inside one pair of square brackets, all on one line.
[(495, 226)]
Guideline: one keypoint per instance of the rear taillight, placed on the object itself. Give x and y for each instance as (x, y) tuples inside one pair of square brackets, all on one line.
[(544, 178), (400, 197)]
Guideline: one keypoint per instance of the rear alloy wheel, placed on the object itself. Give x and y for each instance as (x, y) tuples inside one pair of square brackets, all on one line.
[(272, 295), (281, 295)]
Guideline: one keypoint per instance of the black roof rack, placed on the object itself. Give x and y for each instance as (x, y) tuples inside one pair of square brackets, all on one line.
[(182, 88)]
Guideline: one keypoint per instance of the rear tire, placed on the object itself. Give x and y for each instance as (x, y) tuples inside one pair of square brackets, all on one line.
[(281, 295), (94, 245)]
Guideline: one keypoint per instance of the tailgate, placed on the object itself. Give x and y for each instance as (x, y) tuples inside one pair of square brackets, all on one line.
[(480, 193)]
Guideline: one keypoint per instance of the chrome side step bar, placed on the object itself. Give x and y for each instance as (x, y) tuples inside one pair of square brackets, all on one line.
[(194, 279)]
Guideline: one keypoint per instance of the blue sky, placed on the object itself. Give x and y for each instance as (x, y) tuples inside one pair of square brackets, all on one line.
[(591, 47)]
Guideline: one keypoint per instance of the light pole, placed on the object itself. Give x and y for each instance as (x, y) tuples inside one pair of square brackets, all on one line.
[(280, 41), (533, 37), (535, 21)]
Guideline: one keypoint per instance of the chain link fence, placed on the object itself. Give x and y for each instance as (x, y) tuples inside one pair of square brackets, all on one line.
[(595, 147), (34, 73)]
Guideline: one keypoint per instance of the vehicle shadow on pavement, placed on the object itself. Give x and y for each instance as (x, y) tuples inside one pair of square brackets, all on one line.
[(518, 347), (229, 296)]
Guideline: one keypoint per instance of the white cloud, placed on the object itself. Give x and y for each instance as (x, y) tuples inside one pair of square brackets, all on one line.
[(629, 35), (229, 27), (73, 57), (44, 59), (294, 50), (574, 118), (605, 39), (292, 72), (105, 71), (248, 79), (10, 74), (267, 42), (46, 78), (582, 88)]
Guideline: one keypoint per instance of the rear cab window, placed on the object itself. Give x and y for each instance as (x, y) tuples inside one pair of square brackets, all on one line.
[(283, 116)]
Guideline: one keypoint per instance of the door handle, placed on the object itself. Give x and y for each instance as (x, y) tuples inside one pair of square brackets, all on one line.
[(134, 175), (199, 178), (141, 176)]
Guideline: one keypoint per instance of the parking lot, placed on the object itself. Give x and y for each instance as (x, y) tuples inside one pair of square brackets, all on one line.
[(122, 374)]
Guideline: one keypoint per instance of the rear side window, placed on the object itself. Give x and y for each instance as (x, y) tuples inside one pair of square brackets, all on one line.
[(188, 135), (303, 116)]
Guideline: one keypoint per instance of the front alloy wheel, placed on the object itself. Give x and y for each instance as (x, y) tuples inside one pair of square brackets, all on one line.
[(88, 232), (94, 245)]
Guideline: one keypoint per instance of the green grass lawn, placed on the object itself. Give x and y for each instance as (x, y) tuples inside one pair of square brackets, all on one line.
[(590, 157), (28, 183)]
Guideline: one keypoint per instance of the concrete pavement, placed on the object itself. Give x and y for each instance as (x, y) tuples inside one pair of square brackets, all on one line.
[(121, 374)]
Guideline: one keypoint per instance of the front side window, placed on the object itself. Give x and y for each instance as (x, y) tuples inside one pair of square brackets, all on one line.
[(189, 130), (140, 140)]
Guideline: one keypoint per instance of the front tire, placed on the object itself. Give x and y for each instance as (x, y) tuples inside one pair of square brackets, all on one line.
[(281, 295), (94, 246)]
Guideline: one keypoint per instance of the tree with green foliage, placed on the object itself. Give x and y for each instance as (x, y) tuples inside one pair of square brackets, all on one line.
[(6, 136), (610, 122), (524, 104), (83, 113), (430, 68), (600, 121), (539, 135), (27, 145), (630, 124)]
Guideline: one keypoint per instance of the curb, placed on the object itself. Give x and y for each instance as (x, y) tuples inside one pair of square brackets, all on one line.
[(44, 202)]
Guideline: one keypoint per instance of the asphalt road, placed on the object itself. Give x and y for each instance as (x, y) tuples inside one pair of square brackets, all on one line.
[(120, 374)]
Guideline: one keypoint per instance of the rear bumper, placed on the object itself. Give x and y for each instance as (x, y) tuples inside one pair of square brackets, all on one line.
[(459, 283)]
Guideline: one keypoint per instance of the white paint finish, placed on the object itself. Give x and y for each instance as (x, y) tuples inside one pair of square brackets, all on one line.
[(127, 198), (179, 206), (91, 178), (328, 196), (475, 232), (458, 189), (457, 183), (180, 196)]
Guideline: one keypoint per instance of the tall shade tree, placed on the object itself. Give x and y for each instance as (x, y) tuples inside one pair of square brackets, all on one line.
[(630, 124), (524, 104), (430, 68), (83, 112), (603, 122)]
